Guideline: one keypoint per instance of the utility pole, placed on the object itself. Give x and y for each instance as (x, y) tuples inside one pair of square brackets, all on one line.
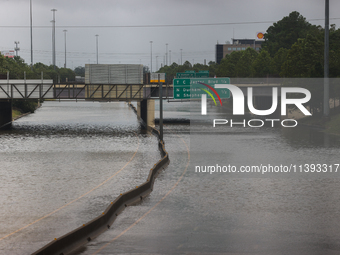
[(65, 47), (16, 48), (31, 23), (326, 64), (53, 39), (97, 47), (169, 57), (157, 63)]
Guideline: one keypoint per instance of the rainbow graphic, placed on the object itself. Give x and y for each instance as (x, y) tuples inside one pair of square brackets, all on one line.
[(209, 93)]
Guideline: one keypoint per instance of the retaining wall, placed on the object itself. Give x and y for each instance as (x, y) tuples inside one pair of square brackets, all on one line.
[(5, 114)]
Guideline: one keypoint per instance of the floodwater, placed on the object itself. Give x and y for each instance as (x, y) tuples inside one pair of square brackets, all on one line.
[(64, 150), (63, 165)]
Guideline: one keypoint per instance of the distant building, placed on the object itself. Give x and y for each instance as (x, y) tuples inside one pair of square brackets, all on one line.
[(8, 53), (238, 44)]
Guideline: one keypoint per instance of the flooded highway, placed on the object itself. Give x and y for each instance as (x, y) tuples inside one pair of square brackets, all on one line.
[(63, 165), (66, 162)]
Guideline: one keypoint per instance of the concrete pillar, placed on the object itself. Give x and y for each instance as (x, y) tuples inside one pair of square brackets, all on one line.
[(5, 114), (139, 109), (146, 111)]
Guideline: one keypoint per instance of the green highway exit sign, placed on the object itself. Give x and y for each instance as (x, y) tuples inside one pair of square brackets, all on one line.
[(185, 88)]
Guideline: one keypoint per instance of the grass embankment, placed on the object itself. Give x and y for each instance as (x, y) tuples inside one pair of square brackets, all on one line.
[(16, 113), (331, 126), (21, 108)]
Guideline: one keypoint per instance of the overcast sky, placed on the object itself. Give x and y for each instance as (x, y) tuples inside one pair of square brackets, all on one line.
[(123, 44)]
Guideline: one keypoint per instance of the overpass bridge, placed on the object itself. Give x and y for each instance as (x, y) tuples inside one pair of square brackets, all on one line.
[(143, 94), (46, 89)]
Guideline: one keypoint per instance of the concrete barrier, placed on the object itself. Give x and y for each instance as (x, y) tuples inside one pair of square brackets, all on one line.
[(84, 234)]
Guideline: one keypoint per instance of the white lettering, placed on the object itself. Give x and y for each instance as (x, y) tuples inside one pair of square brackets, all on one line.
[(220, 122), (297, 101), (262, 112)]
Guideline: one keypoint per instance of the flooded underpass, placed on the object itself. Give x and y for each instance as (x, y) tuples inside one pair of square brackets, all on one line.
[(65, 163)]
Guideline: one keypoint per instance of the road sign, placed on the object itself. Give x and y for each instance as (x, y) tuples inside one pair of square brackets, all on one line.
[(154, 77), (193, 74), (202, 74), (193, 89), (186, 75)]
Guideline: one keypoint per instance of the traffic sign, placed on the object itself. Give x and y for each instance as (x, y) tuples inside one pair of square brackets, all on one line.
[(193, 74), (186, 75), (154, 77), (193, 89)]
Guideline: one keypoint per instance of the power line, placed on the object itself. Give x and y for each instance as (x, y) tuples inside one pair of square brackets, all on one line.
[(159, 25)]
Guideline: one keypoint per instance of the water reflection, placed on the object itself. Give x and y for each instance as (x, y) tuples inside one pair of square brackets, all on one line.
[(309, 137)]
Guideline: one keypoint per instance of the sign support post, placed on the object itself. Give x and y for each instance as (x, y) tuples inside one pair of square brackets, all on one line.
[(160, 108)]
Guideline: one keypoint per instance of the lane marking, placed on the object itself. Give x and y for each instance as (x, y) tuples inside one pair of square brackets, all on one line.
[(144, 215), (74, 200)]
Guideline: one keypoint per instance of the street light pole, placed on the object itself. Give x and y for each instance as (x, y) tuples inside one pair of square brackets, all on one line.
[(160, 108), (181, 58), (151, 56), (326, 63), (65, 47), (166, 54), (31, 34), (53, 39), (156, 63), (97, 47)]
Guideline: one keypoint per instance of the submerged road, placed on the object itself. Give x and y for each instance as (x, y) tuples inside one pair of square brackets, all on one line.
[(63, 165), (220, 214), (187, 212)]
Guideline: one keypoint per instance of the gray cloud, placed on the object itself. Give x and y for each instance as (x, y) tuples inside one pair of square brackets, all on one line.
[(132, 45)]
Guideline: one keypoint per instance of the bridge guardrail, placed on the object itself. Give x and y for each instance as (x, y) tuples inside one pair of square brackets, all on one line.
[(84, 234)]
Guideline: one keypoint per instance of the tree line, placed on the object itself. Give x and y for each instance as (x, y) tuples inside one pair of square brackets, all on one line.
[(292, 48), (17, 69)]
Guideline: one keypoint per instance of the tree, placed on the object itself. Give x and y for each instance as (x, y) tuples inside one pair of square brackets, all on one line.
[(228, 64), (261, 66), (80, 71), (334, 52), (304, 59), (199, 67), (66, 74), (171, 71), (277, 61), (212, 68), (286, 32), (244, 65)]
